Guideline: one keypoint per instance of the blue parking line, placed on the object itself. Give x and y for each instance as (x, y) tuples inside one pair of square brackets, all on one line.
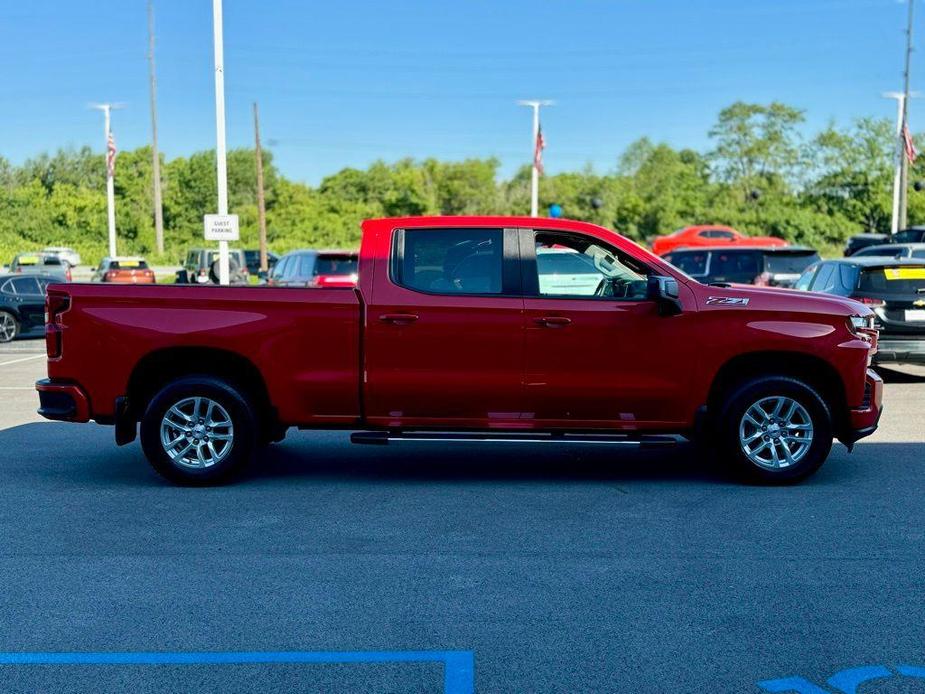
[(458, 666)]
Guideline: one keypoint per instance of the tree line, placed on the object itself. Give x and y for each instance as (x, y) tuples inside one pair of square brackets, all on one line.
[(762, 175)]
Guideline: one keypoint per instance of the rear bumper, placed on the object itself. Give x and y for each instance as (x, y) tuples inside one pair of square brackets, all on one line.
[(863, 420), (900, 351), (64, 402)]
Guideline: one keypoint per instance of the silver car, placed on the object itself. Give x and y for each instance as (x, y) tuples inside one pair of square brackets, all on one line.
[(41, 263), (68, 255)]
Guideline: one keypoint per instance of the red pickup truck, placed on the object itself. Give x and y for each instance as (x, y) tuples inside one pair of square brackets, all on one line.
[(488, 328)]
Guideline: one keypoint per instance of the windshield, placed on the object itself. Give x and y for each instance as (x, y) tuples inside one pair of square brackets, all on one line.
[(789, 263)]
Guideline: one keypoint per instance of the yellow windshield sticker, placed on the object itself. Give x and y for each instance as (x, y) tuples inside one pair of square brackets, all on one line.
[(129, 263), (28, 259), (904, 273)]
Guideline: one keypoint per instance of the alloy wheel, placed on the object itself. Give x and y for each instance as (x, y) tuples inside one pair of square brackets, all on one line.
[(197, 432), (775, 432)]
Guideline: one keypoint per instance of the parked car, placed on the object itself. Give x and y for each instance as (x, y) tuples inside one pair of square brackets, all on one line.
[(309, 268), (253, 260), (68, 255), (766, 267), (201, 267), (710, 235), (860, 241), (124, 270), (893, 288), (40, 263), (22, 304), (893, 250), (450, 334)]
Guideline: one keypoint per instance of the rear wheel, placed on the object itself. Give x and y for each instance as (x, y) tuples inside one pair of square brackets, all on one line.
[(198, 431), (775, 430), (9, 326)]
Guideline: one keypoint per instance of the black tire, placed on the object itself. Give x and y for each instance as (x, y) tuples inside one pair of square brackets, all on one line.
[(731, 451), (5, 335), (243, 431)]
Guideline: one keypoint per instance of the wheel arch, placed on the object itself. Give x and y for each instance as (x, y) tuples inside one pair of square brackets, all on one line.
[(160, 367), (810, 369)]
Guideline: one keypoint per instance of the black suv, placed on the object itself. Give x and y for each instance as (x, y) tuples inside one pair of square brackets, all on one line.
[(893, 288), (769, 267)]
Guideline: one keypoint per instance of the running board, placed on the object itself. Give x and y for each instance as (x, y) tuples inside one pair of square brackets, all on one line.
[(381, 438)]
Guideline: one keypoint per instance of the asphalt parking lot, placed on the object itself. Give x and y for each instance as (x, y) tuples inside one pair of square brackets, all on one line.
[(553, 569)]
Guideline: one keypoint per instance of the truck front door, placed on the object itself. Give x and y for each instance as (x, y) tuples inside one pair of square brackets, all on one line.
[(597, 352), (444, 331)]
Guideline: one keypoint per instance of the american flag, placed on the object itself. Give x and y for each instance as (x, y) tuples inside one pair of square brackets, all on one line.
[(110, 155), (538, 151), (909, 145)]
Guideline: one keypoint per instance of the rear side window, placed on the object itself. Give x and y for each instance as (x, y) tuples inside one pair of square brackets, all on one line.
[(920, 253), (717, 234), (306, 266), (457, 261), (893, 280), (691, 263), (27, 285)]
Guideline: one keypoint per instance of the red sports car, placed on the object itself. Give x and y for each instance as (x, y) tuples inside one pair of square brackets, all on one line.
[(709, 235)]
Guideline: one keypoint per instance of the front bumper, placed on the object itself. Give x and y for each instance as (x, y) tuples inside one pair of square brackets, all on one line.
[(863, 420), (63, 402), (900, 351)]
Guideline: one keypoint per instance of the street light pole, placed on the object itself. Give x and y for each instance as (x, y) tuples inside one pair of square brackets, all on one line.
[(904, 161), (221, 164), (900, 158), (535, 177)]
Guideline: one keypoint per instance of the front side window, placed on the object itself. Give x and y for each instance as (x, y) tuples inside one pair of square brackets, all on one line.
[(572, 265), (450, 261), (825, 278), (806, 278)]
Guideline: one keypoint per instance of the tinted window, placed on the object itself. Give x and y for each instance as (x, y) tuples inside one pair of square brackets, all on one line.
[(580, 266), (726, 264), (909, 236), (27, 285), (848, 275), (51, 260), (825, 278), (335, 265), (717, 234), (279, 270), (459, 261), (306, 266), (7, 287), (893, 280), (691, 263), (789, 263), (919, 253)]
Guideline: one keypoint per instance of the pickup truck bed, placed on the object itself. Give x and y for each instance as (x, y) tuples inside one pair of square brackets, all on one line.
[(465, 325)]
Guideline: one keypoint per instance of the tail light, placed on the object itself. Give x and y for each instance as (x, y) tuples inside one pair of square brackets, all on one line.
[(875, 303), (763, 280), (56, 303), (149, 274), (109, 276), (67, 273)]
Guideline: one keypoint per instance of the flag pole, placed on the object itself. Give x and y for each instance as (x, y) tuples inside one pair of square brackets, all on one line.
[(900, 156), (220, 156), (535, 174), (110, 171)]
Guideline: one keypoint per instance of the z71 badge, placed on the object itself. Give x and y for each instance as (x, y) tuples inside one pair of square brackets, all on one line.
[(726, 301)]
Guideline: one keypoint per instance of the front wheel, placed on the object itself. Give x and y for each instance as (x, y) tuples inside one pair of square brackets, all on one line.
[(198, 431), (775, 430)]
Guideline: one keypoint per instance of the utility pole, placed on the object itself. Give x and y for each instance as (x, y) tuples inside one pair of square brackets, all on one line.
[(535, 178), (261, 202), (904, 160), (110, 170), (155, 156), (900, 157), (221, 164)]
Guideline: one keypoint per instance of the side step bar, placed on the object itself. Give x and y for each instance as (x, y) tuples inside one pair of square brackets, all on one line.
[(381, 438)]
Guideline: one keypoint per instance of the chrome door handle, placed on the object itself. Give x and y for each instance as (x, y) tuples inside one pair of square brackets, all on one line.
[(398, 318), (553, 321)]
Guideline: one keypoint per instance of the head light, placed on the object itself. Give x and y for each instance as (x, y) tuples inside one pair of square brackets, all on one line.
[(859, 323)]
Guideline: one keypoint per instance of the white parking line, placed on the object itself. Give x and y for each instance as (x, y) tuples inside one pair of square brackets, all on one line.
[(16, 361)]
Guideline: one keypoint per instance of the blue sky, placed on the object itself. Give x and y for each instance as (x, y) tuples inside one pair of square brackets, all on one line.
[(344, 83)]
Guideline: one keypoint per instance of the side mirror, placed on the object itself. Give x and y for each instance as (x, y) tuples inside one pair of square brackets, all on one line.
[(666, 293)]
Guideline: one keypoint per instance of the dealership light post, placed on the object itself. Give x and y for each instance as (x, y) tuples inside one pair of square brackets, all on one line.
[(221, 165), (535, 178)]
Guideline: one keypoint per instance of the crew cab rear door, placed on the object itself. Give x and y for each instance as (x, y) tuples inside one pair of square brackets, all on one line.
[(444, 332), (598, 354)]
